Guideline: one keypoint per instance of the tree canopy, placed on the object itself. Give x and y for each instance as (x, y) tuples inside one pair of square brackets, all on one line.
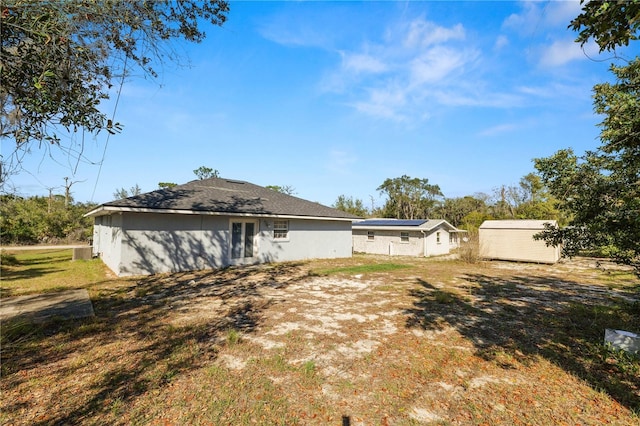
[(204, 172), (351, 205), (285, 189), (59, 59), (610, 23), (601, 189), (409, 198)]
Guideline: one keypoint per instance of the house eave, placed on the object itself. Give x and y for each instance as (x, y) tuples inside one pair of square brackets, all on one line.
[(108, 210)]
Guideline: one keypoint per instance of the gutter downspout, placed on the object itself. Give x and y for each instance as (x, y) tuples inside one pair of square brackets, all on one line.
[(424, 235)]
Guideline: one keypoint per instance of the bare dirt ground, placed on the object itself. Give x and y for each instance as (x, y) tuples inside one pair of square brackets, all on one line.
[(433, 343)]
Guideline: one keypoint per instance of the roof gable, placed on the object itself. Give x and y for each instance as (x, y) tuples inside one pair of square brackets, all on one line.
[(223, 196)]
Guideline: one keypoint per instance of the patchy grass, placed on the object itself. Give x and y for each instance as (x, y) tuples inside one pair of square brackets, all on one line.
[(42, 271), (434, 341), (362, 269)]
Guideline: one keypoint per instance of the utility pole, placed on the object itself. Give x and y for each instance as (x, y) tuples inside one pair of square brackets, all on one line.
[(67, 190), (50, 188)]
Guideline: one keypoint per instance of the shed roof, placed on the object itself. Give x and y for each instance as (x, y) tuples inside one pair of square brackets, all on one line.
[(222, 196), (516, 224)]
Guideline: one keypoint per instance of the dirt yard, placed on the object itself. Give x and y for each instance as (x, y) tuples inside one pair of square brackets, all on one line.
[(337, 342)]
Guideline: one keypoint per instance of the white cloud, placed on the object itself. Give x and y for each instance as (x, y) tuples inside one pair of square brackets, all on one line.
[(362, 62), (384, 102), (423, 33), (435, 65), (564, 51), (340, 161), (393, 77), (499, 129), (501, 41), (537, 16)]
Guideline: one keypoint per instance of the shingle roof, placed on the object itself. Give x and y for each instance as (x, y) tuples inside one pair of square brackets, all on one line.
[(218, 195)]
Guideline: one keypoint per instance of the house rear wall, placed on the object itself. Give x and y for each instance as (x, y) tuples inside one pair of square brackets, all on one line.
[(155, 243), (388, 242)]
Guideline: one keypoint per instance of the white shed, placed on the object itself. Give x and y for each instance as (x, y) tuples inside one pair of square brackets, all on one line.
[(513, 240)]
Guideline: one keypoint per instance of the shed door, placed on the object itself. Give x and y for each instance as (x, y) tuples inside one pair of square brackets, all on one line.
[(242, 239)]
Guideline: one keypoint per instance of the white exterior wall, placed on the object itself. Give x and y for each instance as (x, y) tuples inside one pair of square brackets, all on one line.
[(156, 243), (307, 239), (435, 248), (388, 242), (107, 240), (517, 245)]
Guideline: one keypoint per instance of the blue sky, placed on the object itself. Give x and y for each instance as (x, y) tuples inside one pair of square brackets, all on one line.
[(334, 97)]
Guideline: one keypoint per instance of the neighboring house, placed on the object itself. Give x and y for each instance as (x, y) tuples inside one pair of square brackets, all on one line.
[(513, 240), (420, 237), (214, 223)]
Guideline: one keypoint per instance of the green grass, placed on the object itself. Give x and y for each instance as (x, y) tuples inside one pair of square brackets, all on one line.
[(362, 269), (42, 271)]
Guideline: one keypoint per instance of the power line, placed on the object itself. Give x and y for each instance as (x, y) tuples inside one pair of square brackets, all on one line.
[(113, 117)]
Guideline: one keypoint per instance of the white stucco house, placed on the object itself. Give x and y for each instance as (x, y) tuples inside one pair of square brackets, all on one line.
[(421, 237), (214, 223), (513, 240)]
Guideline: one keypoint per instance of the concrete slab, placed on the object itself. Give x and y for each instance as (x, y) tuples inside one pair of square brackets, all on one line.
[(69, 304)]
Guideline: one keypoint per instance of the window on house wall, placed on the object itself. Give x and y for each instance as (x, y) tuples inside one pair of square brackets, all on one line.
[(438, 237), (280, 229), (370, 235), (404, 237)]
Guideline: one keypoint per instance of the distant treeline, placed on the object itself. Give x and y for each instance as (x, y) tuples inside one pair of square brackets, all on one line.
[(36, 220)]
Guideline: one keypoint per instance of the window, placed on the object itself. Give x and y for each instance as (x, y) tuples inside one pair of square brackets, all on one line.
[(404, 237), (280, 229), (453, 238), (370, 235), (438, 237)]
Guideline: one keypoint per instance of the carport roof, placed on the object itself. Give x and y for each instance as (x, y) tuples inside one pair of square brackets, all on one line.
[(222, 197)]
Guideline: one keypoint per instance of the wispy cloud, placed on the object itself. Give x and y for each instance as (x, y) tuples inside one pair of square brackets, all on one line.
[(561, 52), (340, 161), (423, 33), (397, 75), (497, 130), (362, 63), (537, 16)]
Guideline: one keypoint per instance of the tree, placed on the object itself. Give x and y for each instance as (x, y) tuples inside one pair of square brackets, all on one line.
[(166, 185), (123, 193), (610, 24), (601, 189), (530, 199), (61, 58), (285, 189), (454, 210), (35, 220), (351, 205), (203, 172), (409, 198)]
